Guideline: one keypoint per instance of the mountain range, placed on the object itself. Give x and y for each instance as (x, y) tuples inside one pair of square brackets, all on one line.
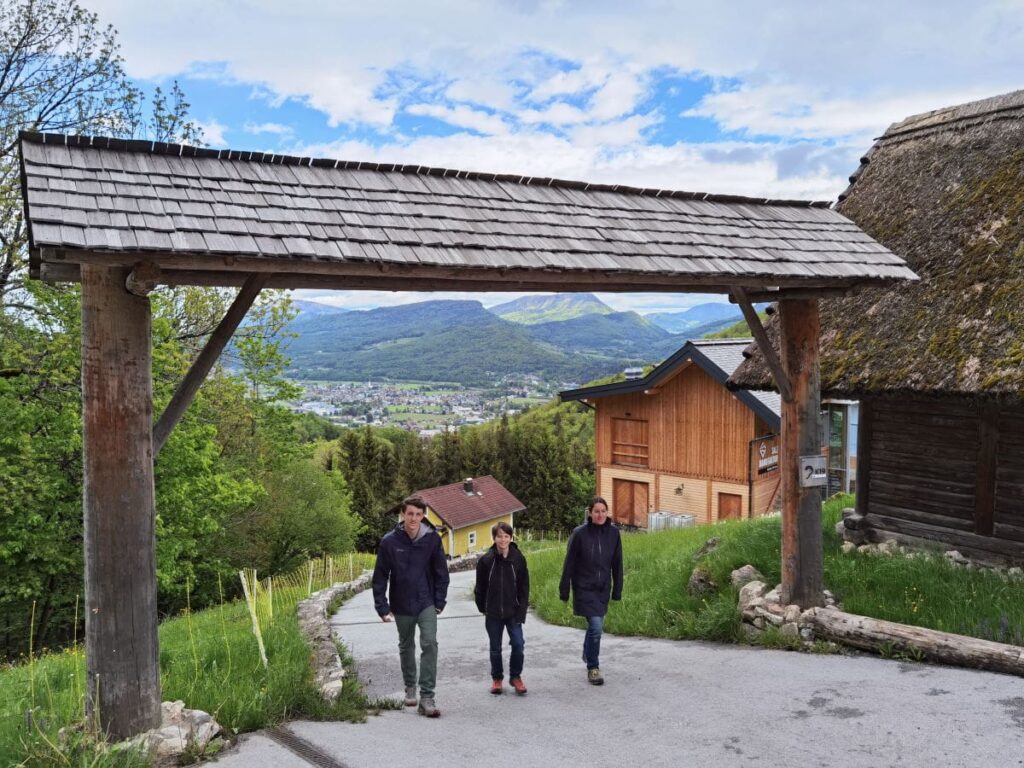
[(565, 337)]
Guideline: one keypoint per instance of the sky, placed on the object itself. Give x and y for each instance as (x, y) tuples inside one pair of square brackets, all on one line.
[(768, 99)]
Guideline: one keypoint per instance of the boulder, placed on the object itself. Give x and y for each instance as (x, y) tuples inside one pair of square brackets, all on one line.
[(790, 631), (745, 575), (701, 583), (706, 548), (750, 593)]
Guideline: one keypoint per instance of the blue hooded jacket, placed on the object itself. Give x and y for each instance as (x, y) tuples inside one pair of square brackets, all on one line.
[(414, 573)]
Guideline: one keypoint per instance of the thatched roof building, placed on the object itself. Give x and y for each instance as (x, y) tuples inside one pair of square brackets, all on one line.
[(938, 365), (945, 190)]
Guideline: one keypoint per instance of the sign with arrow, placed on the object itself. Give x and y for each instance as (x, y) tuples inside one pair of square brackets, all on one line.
[(813, 472)]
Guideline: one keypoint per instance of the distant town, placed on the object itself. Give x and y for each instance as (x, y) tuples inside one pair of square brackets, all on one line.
[(424, 407)]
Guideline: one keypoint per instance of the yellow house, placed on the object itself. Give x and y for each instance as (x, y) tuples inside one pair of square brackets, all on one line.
[(463, 513)]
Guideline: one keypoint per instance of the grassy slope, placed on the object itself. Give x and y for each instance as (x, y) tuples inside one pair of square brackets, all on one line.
[(209, 660), (924, 591)]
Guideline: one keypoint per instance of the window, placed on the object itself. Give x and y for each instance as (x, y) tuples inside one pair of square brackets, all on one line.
[(471, 538), (629, 442)]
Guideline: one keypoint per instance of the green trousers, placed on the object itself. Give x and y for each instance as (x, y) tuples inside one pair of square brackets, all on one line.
[(427, 622)]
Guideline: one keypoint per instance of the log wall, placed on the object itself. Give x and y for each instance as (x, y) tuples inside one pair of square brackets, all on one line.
[(947, 470)]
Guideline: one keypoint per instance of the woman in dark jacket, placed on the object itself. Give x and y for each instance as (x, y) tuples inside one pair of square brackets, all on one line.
[(593, 569), (502, 593)]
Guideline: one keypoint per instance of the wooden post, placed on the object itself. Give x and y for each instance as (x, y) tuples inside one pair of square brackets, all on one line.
[(802, 567), (865, 437), (122, 659)]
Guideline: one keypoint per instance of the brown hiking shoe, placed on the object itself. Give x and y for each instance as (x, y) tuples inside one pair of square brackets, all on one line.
[(518, 684), (496, 686), (427, 708), (594, 676)]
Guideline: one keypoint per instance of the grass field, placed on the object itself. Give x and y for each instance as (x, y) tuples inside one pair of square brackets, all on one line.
[(209, 659), (925, 591)]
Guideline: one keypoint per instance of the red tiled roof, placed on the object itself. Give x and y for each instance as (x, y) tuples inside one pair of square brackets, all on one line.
[(490, 499)]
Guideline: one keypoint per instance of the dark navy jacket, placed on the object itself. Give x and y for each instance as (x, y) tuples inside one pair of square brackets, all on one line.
[(414, 573), (593, 568), (502, 584)]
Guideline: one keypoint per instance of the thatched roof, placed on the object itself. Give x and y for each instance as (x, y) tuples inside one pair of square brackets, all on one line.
[(945, 190)]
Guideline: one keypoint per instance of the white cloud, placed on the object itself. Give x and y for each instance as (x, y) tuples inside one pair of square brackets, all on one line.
[(462, 117), (273, 128), (615, 133), (558, 113), (213, 132)]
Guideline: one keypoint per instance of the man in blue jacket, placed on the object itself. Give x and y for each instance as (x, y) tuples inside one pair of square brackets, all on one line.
[(412, 570)]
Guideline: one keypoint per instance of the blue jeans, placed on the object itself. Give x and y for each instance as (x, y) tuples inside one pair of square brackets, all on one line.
[(592, 641), (495, 630)]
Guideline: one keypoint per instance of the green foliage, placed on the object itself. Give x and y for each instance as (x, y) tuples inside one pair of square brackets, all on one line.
[(739, 330)]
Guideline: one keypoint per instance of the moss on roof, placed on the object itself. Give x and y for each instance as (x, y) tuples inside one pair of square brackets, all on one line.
[(949, 198)]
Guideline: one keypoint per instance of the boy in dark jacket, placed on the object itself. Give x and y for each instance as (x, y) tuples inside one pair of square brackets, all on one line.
[(502, 593), (593, 569), (412, 569)]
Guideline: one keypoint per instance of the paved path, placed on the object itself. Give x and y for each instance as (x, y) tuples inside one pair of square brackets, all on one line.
[(664, 703)]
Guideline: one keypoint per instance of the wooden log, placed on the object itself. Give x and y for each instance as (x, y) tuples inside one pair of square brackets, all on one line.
[(121, 646), (763, 343), (802, 560), (944, 647), (221, 335)]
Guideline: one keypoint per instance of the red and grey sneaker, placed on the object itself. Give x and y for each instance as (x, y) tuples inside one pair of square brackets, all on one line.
[(496, 686), (518, 684)]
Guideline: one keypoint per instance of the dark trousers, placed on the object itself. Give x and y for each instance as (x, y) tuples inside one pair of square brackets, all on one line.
[(592, 641), (495, 629)]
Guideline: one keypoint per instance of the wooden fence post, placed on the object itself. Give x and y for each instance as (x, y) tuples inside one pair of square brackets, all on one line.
[(121, 646), (802, 564)]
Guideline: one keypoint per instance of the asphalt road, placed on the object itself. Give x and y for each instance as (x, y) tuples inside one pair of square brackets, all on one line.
[(664, 703)]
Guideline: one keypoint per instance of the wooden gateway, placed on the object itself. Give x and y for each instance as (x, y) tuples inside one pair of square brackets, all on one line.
[(122, 217), (677, 441), (938, 365)]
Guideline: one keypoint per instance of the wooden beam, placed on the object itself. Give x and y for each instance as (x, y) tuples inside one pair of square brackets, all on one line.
[(865, 437), (760, 296), (985, 475), (802, 565), (144, 277), (782, 381), (207, 357), (121, 646)]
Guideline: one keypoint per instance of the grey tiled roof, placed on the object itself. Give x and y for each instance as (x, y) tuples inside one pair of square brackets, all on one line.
[(108, 195)]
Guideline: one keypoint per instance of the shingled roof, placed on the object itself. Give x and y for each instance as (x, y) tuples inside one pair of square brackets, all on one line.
[(717, 357), (946, 189), (458, 508), (206, 216)]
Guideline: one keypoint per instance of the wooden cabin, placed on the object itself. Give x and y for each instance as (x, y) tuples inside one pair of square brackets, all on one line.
[(938, 365), (677, 441), (464, 512)]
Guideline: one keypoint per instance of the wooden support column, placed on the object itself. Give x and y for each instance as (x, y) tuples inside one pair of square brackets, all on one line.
[(802, 566), (865, 437), (122, 659)]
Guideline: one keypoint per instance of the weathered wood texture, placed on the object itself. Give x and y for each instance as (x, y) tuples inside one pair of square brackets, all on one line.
[(196, 375), (766, 481), (763, 343), (949, 470), (802, 575), (876, 634), (695, 427), (122, 664)]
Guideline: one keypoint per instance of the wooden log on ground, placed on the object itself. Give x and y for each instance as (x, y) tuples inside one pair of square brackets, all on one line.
[(877, 635)]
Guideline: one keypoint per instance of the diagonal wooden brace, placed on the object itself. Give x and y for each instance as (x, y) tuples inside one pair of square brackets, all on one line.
[(207, 357), (763, 343)]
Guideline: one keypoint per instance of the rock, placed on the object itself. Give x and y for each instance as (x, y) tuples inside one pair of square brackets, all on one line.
[(750, 592), (856, 537), (854, 522), (772, 596), (840, 530), (701, 583), (868, 549), (750, 633), (955, 557), (848, 547), (1015, 572), (706, 548), (791, 613), (759, 622), (790, 631), (848, 512), (889, 547), (745, 575), (775, 619), (806, 634)]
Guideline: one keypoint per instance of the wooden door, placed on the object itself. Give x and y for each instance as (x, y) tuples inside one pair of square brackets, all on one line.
[(730, 506), (629, 502)]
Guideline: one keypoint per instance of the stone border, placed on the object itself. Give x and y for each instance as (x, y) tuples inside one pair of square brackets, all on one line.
[(315, 625)]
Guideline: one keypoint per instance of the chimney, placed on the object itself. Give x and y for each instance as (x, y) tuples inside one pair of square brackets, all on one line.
[(467, 486)]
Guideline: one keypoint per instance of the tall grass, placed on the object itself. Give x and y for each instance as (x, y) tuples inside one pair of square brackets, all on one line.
[(925, 590), (209, 659)]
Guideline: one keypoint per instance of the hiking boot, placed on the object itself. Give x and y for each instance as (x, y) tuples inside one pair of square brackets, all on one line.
[(410, 695), (496, 686), (427, 708), (518, 684), (594, 676)]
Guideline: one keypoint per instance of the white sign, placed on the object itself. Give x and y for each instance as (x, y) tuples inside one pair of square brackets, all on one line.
[(813, 472)]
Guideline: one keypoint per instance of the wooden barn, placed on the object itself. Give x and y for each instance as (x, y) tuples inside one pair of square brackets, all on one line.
[(938, 366), (678, 441), (464, 512)]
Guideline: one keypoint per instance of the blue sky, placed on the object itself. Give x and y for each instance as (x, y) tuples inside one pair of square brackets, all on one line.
[(766, 99)]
